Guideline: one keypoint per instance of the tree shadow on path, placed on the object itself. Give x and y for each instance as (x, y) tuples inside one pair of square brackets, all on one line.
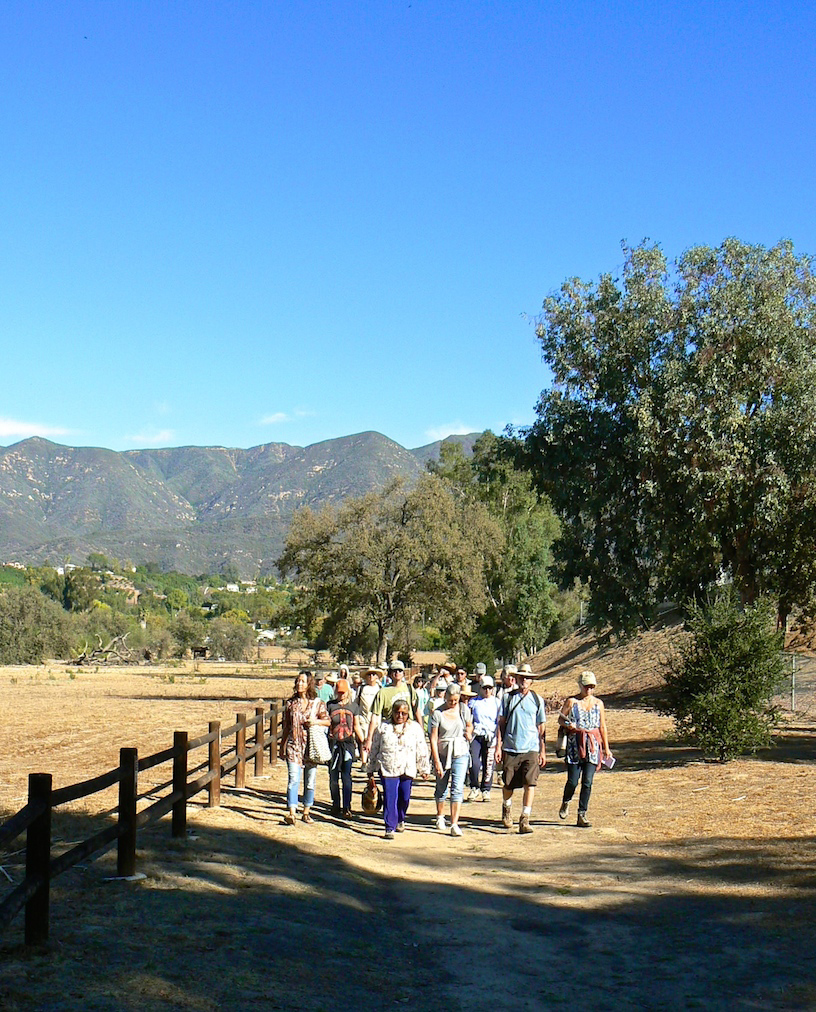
[(233, 918)]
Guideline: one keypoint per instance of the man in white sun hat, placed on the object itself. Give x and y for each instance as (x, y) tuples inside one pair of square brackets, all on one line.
[(521, 746)]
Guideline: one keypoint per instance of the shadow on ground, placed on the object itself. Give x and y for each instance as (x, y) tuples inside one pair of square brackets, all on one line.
[(229, 918)]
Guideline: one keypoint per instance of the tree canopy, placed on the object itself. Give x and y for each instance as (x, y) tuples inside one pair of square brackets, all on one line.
[(520, 607), (678, 441), (384, 559)]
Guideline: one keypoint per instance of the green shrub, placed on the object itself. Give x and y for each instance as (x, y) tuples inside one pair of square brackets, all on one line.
[(721, 680), (33, 628)]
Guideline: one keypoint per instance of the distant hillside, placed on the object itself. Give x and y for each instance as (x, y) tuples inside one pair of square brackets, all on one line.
[(189, 508)]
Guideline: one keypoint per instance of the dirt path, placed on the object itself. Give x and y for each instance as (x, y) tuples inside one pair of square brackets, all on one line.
[(694, 889)]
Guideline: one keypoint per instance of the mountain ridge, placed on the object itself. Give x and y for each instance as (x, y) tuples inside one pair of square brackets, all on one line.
[(191, 508)]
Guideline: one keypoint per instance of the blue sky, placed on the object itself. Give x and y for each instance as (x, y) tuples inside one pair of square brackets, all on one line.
[(236, 223)]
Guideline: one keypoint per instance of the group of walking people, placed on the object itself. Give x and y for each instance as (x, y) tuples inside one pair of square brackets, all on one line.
[(449, 725)]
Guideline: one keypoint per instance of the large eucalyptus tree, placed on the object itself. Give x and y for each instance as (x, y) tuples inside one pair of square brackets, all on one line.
[(678, 440)]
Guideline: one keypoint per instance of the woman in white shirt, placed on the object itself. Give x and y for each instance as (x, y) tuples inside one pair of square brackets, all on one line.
[(399, 753)]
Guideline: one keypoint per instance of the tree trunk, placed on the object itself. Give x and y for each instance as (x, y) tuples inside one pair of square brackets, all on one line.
[(382, 644)]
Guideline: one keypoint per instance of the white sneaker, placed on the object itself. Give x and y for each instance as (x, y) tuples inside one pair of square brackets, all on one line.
[(485, 795), (456, 831), (440, 822), (474, 794)]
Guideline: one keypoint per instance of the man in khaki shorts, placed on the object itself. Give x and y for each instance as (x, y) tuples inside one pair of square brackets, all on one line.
[(521, 747)]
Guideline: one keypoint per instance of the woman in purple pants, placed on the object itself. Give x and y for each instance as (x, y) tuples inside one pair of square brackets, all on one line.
[(399, 753)]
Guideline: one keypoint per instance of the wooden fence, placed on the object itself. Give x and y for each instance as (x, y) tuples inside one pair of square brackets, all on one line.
[(34, 818)]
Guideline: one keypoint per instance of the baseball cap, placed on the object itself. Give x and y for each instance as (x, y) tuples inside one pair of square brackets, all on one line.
[(588, 678), (396, 666), (342, 685), (481, 669), (486, 680)]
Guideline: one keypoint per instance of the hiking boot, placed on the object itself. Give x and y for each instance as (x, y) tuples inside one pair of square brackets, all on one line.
[(563, 811), (582, 821), (524, 824), (507, 818)]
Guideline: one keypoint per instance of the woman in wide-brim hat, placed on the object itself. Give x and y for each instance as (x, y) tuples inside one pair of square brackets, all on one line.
[(583, 717)]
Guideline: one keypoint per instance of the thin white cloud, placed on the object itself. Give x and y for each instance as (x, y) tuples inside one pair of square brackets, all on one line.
[(275, 419), (164, 437), (304, 413), (451, 429), (10, 428)]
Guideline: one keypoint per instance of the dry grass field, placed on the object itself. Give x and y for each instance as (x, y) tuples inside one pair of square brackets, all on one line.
[(695, 887)]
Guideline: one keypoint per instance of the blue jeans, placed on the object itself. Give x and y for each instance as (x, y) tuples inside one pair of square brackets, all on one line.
[(293, 786), (340, 769), (456, 776), (574, 774)]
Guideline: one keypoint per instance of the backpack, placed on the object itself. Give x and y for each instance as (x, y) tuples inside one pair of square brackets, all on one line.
[(343, 729)]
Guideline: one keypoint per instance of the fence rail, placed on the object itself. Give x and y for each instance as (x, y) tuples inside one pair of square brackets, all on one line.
[(34, 818)]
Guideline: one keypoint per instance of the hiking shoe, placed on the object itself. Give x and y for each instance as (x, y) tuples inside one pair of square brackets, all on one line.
[(507, 818), (474, 794), (524, 824), (456, 831), (388, 835), (563, 811), (582, 821), (440, 822), (400, 827)]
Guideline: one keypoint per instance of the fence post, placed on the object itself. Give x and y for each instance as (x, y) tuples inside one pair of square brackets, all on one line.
[(240, 750), (273, 732), (128, 790), (38, 860), (180, 783), (214, 786), (259, 741)]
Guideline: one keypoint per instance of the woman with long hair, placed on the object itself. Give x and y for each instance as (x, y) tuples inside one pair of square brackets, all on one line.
[(399, 753), (303, 709)]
